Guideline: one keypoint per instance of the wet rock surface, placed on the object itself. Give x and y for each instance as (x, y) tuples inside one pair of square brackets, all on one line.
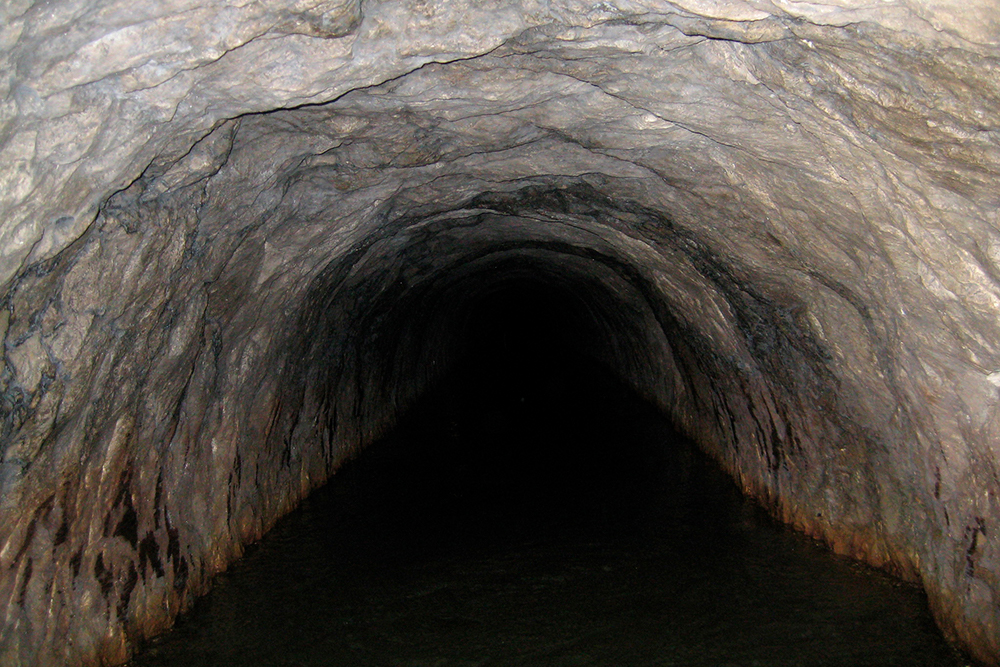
[(238, 240)]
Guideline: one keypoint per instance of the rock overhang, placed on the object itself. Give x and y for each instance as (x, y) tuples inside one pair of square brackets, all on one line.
[(785, 221)]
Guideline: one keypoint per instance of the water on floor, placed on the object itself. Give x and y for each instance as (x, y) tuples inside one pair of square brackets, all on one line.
[(552, 521)]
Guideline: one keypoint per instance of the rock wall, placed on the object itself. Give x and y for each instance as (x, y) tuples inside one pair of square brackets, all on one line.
[(238, 239)]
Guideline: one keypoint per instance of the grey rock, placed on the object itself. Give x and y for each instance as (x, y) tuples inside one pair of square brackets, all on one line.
[(213, 215)]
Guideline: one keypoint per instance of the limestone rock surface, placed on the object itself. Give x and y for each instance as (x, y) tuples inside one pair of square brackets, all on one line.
[(238, 238)]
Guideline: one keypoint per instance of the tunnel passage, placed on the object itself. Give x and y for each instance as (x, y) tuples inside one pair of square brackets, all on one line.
[(235, 248)]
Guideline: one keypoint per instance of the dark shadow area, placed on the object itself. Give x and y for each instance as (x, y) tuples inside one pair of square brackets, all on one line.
[(530, 511)]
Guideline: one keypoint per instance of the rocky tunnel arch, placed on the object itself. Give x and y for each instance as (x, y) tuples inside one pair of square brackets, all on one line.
[(228, 239)]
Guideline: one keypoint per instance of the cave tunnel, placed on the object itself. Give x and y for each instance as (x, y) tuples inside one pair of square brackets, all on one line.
[(241, 241)]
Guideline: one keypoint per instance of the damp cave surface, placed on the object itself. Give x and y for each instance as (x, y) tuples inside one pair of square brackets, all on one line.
[(523, 518)]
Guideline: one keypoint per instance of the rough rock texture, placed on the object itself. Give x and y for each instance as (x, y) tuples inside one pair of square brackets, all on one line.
[(236, 239)]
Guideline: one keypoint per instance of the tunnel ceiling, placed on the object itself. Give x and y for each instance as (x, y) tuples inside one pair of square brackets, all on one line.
[(239, 239)]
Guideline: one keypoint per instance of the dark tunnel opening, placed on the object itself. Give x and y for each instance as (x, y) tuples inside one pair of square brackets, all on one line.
[(528, 344), (530, 507), (530, 389), (523, 330), (537, 351), (513, 318)]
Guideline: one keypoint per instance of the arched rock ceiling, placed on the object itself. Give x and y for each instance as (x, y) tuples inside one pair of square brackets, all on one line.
[(238, 239)]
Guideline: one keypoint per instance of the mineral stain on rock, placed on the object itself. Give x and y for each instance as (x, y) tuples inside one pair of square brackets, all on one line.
[(238, 243)]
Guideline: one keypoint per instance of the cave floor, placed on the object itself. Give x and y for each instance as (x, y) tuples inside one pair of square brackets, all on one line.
[(556, 520)]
